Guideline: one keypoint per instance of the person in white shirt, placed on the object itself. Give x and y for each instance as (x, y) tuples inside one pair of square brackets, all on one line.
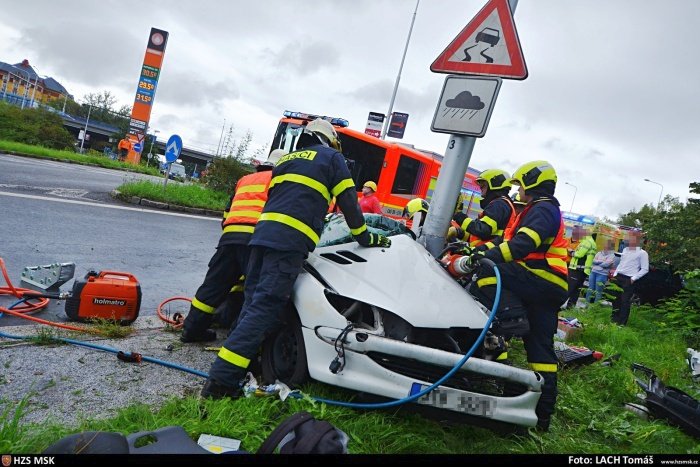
[(634, 264)]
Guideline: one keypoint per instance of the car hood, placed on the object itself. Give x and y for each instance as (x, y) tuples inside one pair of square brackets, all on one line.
[(404, 279)]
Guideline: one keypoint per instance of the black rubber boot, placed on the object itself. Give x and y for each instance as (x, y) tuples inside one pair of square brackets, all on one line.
[(195, 327), (216, 391), (548, 400)]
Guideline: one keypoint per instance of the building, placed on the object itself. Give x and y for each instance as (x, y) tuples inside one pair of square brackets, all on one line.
[(21, 85)]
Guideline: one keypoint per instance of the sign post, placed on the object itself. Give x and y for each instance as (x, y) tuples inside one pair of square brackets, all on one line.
[(173, 148), (487, 46)]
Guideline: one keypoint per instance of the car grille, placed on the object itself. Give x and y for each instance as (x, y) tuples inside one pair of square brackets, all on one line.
[(463, 380)]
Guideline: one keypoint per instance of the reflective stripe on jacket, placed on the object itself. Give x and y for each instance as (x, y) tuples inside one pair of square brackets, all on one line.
[(245, 207), (536, 242), (302, 186), (492, 221)]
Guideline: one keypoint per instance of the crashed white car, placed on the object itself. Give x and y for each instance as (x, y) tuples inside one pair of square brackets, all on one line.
[(389, 322)]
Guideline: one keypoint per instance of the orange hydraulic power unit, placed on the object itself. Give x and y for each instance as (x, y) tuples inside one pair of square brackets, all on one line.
[(110, 295)]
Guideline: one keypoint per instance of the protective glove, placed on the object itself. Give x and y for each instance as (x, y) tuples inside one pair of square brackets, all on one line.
[(474, 259), (378, 240), (455, 233)]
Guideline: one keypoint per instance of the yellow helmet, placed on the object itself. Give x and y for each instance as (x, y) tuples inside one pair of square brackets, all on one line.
[(496, 179), (323, 129), (533, 174), (415, 205), (370, 184)]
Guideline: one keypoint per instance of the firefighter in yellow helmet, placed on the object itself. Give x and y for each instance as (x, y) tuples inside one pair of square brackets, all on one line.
[(303, 183), (417, 206), (531, 260), (498, 211)]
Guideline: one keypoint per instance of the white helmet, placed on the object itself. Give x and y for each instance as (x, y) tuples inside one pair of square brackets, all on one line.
[(274, 157), (325, 130)]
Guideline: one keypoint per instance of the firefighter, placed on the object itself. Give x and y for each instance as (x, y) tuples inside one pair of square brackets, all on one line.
[(498, 211), (230, 260), (531, 260), (580, 263), (417, 206), (303, 183)]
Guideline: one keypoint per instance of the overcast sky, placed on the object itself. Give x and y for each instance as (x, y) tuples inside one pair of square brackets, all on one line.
[(612, 95)]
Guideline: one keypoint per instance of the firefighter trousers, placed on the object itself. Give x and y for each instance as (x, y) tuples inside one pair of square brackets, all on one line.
[(268, 286), (225, 268), (541, 300)]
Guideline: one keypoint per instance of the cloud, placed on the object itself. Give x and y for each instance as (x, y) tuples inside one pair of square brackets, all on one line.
[(192, 89), (302, 57), (465, 100)]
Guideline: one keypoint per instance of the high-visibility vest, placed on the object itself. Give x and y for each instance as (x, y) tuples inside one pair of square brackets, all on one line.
[(247, 203), (552, 250)]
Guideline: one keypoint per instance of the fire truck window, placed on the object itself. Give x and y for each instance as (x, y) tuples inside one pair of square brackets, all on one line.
[(364, 159), (406, 179)]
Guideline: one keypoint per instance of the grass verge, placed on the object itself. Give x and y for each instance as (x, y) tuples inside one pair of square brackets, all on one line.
[(194, 196)]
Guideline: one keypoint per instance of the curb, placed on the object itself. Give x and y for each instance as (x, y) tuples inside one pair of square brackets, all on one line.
[(116, 194)]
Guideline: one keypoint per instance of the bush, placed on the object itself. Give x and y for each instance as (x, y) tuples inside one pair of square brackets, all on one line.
[(224, 172), (33, 126)]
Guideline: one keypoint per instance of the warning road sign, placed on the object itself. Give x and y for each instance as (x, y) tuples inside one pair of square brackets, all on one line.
[(465, 105), (487, 46)]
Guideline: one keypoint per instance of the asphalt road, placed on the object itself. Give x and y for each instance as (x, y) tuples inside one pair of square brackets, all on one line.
[(54, 212)]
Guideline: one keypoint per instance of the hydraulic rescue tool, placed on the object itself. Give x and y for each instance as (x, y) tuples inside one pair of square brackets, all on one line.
[(110, 295)]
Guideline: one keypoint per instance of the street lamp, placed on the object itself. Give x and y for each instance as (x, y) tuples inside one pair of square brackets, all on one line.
[(662, 189), (385, 127), (574, 198), (86, 129)]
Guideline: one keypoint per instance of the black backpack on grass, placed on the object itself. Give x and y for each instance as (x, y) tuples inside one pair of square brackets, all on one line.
[(301, 433)]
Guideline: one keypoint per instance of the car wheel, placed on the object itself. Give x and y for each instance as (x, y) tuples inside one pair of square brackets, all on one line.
[(283, 355)]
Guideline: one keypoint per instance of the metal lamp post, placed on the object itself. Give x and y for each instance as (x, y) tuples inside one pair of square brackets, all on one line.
[(574, 198), (385, 128), (82, 141), (662, 189)]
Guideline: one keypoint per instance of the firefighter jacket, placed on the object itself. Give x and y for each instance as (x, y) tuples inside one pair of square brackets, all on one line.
[(244, 208), (302, 186), (583, 255), (536, 242), (492, 221)]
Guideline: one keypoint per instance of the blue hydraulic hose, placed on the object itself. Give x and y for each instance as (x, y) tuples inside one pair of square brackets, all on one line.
[(110, 349), (458, 365), (378, 405)]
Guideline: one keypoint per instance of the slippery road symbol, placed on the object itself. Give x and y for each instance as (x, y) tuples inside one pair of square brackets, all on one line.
[(489, 36), (462, 105)]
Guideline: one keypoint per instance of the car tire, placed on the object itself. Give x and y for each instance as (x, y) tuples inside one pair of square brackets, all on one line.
[(283, 355)]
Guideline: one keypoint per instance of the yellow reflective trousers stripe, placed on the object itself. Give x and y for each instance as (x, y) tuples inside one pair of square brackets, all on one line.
[(203, 307), (233, 358), (544, 367)]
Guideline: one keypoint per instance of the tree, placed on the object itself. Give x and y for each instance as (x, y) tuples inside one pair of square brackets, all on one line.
[(671, 231), (224, 172), (33, 126)]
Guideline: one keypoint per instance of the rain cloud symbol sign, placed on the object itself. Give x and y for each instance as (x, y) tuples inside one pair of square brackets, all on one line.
[(463, 104)]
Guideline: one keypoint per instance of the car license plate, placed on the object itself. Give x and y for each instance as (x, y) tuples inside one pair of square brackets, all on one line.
[(450, 399)]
